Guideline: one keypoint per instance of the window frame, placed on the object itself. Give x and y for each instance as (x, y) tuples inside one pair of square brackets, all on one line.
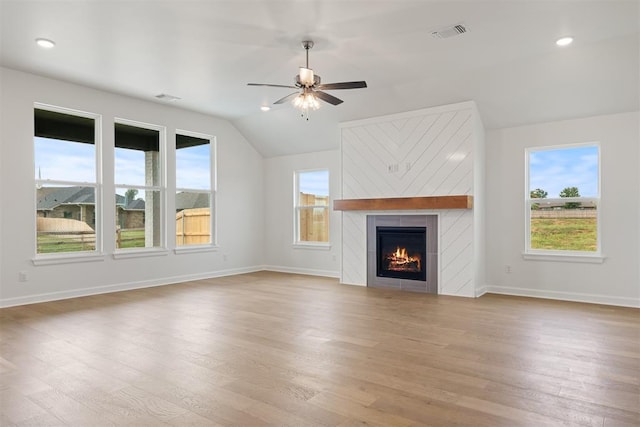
[(97, 185), (161, 189), (559, 254), (213, 192), (297, 243)]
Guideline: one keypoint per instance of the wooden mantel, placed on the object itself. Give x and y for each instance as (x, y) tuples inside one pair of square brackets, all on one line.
[(404, 203)]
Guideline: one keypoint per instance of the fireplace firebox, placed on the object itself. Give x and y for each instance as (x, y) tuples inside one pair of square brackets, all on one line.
[(402, 252)]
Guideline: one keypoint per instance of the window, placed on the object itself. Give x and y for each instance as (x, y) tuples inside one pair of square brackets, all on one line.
[(139, 184), (67, 178), (195, 189), (562, 200), (312, 206)]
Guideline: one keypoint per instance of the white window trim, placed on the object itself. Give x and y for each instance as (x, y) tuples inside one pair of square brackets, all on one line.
[(84, 256), (297, 243), (162, 190), (318, 246), (212, 246), (67, 258), (139, 252), (561, 255)]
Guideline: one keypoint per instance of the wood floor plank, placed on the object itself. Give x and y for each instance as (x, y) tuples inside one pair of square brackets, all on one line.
[(283, 349)]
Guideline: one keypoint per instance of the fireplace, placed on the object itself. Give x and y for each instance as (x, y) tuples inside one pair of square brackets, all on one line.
[(402, 252)]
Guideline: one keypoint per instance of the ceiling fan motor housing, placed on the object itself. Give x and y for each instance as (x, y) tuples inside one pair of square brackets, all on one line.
[(307, 78)]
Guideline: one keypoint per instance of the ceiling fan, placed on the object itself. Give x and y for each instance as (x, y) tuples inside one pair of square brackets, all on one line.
[(311, 88)]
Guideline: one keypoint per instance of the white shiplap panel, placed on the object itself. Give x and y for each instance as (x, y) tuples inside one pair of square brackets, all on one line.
[(433, 166), (427, 142), (456, 251), (354, 248), (366, 164), (459, 180)]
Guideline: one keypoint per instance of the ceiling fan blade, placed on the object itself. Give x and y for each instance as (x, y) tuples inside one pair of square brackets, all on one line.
[(343, 85), (328, 98), (270, 85), (287, 98)]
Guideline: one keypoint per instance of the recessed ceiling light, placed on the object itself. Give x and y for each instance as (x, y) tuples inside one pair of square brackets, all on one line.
[(45, 43), (564, 41), (265, 108)]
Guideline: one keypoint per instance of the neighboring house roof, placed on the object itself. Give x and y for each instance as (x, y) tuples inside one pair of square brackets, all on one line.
[(547, 204), (50, 198), (191, 200), (135, 205)]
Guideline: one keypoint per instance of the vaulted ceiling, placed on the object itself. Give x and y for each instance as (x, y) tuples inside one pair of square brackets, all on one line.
[(205, 52)]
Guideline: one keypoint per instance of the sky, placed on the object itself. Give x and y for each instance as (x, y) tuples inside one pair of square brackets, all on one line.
[(314, 182), (554, 170), (64, 160), (71, 161)]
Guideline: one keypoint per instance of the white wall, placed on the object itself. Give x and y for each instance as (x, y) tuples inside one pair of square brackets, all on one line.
[(617, 280), (280, 253), (240, 196)]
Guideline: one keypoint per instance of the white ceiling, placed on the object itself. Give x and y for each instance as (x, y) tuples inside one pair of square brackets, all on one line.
[(205, 52)]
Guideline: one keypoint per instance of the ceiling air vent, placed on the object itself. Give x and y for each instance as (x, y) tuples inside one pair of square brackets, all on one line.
[(167, 97), (450, 31)]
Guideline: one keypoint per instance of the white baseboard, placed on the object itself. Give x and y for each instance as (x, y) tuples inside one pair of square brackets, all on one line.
[(75, 293), (307, 271), (564, 296), (481, 291)]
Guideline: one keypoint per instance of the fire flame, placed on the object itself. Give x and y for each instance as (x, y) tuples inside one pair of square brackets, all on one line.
[(401, 260)]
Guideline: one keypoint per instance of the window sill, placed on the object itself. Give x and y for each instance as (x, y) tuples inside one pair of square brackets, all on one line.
[(139, 253), (312, 246), (67, 259), (181, 250), (564, 257)]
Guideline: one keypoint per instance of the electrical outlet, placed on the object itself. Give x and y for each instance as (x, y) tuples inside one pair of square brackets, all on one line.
[(225, 257), (507, 269), (23, 276)]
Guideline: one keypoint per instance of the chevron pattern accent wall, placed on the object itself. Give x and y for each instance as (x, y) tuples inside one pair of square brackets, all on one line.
[(423, 153)]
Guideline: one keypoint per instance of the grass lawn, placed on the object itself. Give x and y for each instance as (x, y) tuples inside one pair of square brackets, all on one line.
[(56, 243), (569, 234), (52, 243), (132, 238)]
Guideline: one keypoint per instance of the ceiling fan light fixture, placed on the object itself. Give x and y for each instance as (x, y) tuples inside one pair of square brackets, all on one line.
[(306, 101)]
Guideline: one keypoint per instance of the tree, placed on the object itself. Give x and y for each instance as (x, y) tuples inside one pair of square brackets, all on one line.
[(538, 193), (130, 196), (570, 192)]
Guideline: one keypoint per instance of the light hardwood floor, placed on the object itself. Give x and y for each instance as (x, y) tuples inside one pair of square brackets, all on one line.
[(277, 349)]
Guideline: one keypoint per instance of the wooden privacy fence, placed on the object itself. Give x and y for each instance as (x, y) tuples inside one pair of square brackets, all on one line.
[(64, 235), (564, 213), (314, 224), (193, 226)]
